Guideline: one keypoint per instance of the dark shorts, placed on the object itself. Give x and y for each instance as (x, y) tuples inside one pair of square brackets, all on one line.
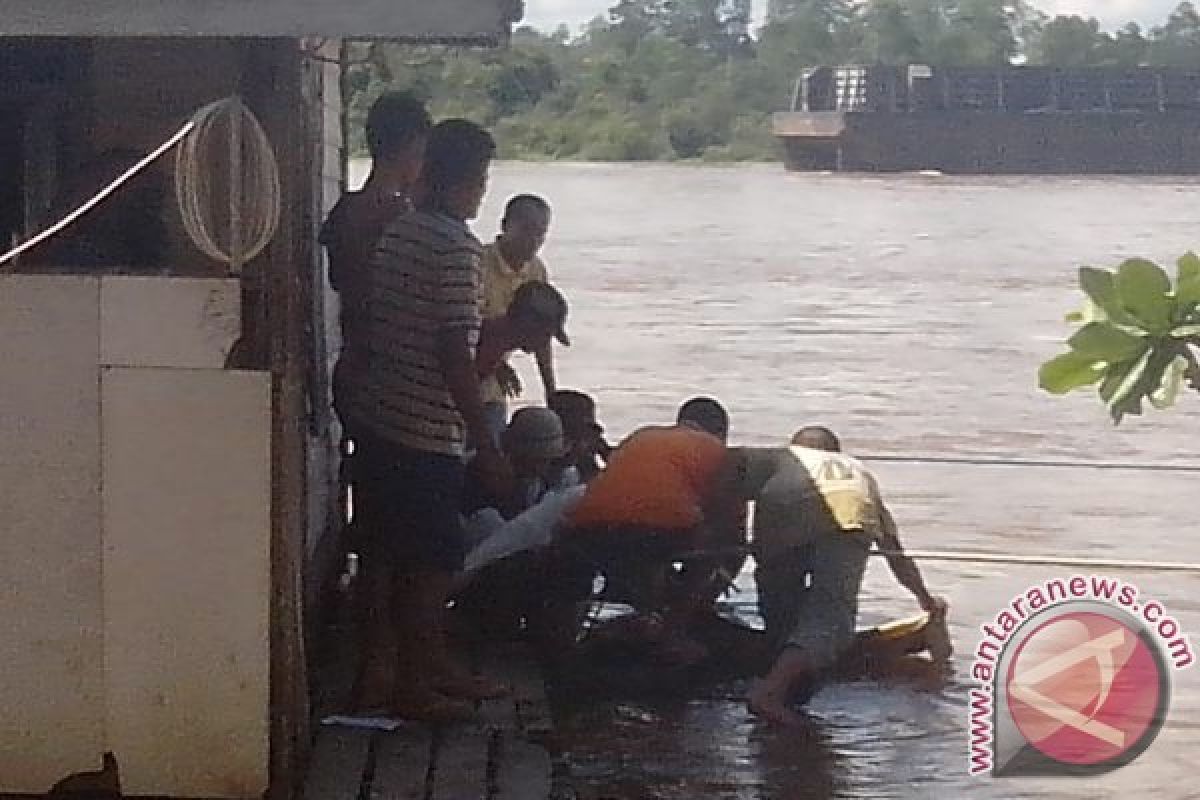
[(780, 583), (407, 503), (808, 596)]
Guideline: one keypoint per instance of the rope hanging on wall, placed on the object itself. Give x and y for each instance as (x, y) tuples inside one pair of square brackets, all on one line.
[(253, 185), (227, 130)]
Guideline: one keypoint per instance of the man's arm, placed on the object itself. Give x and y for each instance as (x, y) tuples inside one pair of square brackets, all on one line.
[(545, 355), (903, 567), (725, 507), (462, 379), (725, 516), (458, 311), (545, 362)]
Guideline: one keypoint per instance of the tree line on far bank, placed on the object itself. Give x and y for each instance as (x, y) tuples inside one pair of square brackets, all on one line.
[(685, 79)]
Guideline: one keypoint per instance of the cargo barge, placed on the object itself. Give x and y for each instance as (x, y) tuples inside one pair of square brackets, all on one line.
[(1012, 120)]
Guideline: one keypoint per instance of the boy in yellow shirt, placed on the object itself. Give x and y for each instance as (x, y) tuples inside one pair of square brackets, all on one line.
[(508, 263)]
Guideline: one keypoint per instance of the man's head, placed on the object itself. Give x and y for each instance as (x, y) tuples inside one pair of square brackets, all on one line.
[(524, 227), (706, 414), (455, 173), (538, 313), (577, 411), (533, 441), (397, 129), (815, 437)]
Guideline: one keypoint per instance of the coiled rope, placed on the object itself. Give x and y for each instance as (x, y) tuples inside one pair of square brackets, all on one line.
[(253, 186), (255, 195)]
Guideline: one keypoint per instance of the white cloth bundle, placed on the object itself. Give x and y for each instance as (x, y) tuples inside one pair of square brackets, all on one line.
[(531, 529)]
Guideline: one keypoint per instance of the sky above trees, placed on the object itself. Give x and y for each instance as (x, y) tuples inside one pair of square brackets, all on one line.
[(549, 14)]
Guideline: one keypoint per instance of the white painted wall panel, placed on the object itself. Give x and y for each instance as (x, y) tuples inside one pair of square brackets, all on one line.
[(187, 576), (168, 322), (51, 661)]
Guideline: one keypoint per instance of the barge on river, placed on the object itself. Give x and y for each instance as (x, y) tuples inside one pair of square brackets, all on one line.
[(1014, 120)]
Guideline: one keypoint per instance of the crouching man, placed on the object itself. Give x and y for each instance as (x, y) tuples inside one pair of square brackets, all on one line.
[(816, 517), (667, 492)]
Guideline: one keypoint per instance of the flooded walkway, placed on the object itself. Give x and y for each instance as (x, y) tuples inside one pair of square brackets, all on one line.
[(909, 314), (503, 756)]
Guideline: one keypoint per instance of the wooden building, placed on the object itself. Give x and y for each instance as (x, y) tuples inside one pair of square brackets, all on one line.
[(168, 460)]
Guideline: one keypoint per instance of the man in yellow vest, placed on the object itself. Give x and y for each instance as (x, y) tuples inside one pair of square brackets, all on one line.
[(816, 516)]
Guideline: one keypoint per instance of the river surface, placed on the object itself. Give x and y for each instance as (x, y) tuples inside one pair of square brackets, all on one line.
[(910, 315)]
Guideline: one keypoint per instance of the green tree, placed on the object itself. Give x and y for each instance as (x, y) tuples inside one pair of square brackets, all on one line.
[(889, 34), (1127, 48), (1068, 42), (965, 32), (1177, 42)]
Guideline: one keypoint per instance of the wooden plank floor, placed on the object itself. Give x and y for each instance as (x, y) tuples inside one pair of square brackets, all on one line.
[(501, 756)]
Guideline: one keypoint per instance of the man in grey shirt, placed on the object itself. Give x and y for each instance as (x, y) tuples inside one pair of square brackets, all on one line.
[(817, 513)]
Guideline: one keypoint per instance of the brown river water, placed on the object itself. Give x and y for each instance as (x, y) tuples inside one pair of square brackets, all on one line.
[(909, 314)]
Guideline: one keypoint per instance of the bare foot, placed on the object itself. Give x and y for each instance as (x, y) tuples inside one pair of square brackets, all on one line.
[(770, 706)]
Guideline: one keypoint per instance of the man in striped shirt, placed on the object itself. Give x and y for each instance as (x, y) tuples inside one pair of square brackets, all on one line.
[(418, 403)]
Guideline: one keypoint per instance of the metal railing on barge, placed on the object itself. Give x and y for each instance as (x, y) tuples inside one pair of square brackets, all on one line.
[(1014, 90)]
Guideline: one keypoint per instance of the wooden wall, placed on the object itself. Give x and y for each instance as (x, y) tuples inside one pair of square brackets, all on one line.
[(139, 91), (274, 84), (134, 502)]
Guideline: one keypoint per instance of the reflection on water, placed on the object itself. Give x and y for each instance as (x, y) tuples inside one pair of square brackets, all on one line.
[(909, 314)]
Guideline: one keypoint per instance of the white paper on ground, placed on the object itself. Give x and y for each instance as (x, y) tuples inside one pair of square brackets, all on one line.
[(375, 723)]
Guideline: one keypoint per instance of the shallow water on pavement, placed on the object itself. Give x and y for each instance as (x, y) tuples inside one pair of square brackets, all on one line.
[(909, 314)]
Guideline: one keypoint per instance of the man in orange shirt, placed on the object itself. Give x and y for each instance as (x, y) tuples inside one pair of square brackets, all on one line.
[(667, 490)]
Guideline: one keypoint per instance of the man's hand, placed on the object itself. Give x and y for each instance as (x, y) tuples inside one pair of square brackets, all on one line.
[(935, 606), (494, 470), (510, 384), (1192, 375)]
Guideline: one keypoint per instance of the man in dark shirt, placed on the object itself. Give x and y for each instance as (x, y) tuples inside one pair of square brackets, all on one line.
[(397, 129)]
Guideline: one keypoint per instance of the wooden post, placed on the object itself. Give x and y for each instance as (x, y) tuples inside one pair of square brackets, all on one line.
[(345, 90), (273, 76)]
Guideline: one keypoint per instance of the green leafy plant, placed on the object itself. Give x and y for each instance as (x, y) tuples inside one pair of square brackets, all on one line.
[(1136, 337)]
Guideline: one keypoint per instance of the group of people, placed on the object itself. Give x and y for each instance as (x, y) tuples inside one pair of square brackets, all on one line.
[(511, 521)]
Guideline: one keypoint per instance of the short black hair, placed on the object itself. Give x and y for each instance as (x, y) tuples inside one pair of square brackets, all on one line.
[(458, 150), (815, 437), (394, 121), (525, 202), (572, 403), (543, 305), (706, 414)]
